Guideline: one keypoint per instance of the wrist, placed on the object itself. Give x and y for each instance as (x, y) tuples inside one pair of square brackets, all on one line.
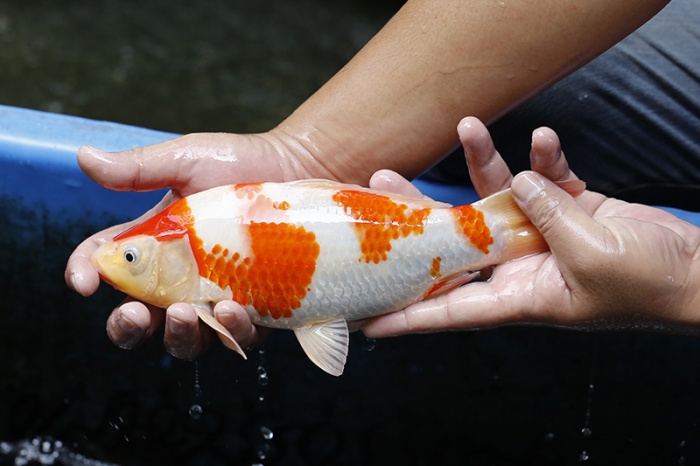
[(305, 153)]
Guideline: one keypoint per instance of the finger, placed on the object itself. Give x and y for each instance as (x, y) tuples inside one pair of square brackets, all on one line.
[(390, 181), (145, 168), (185, 337), (563, 223), (80, 274), (187, 164), (132, 323), (235, 318), (547, 158), (142, 168), (487, 169)]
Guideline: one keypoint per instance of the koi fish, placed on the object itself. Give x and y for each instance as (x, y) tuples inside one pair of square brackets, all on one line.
[(311, 255)]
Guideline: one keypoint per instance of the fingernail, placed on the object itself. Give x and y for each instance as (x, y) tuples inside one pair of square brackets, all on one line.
[(526, 186), (75, 280), (177, 326), (128, 324)]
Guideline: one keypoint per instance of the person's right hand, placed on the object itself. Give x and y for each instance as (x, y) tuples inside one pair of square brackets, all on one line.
[(611, 264), (186, 165)]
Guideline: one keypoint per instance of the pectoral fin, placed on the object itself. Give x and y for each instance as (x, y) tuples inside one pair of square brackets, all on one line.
[(208, 318), (326, 344)]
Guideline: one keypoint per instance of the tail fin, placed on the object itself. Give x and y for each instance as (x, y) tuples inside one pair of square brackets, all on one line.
[(519, 236)]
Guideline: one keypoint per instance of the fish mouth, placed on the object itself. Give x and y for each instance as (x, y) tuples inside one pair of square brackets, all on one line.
[(104, 251)]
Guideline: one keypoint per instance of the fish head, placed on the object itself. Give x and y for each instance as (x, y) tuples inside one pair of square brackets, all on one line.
[(148, 269)]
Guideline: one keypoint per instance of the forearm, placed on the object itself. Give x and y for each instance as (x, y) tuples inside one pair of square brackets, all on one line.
[(397, 103)]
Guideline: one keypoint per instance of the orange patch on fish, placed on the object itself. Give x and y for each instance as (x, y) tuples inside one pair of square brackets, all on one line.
[(470, 222), (247, 190), (284, 205), (170, 223), (435, 268), (278, 275), (380, 220)]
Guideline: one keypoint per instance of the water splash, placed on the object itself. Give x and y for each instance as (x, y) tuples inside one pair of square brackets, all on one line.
[(263, 378), (586, 430), (45, 451), (681, 458), (265, 448), (196, 410), (197, 386)]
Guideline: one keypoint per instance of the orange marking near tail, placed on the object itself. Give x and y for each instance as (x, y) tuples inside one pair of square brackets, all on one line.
[(470, 223), (379, 221)]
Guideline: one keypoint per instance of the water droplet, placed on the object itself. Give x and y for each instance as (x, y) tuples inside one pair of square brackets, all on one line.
[(263, 451), (583, 456), (267, 433), (262, 376), (197, 386), (549, 436), (370, 344), (586, 431), (501, 3), (261, 398), (196, 411)]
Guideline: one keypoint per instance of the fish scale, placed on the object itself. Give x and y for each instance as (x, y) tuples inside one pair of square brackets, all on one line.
[(311, 255)]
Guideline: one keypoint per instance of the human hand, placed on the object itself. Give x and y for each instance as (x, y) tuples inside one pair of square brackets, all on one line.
[(612, 264), (186, 165)]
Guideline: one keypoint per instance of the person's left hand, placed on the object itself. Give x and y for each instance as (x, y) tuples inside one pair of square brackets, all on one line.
[(612, 264)]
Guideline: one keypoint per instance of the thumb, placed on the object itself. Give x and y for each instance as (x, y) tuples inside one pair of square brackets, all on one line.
[(139, 169), (563, 222)]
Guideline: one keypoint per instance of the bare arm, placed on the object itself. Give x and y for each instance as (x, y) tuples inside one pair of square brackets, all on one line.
[(396, 103)]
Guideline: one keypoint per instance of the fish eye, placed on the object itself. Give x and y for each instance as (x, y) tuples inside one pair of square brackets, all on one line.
[(132, 255)]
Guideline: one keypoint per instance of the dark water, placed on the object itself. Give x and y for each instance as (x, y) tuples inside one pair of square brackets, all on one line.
[(179, 66), (514, 396)]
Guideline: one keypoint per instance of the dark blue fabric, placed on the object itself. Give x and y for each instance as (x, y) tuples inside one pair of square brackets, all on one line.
[(629, 121)]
